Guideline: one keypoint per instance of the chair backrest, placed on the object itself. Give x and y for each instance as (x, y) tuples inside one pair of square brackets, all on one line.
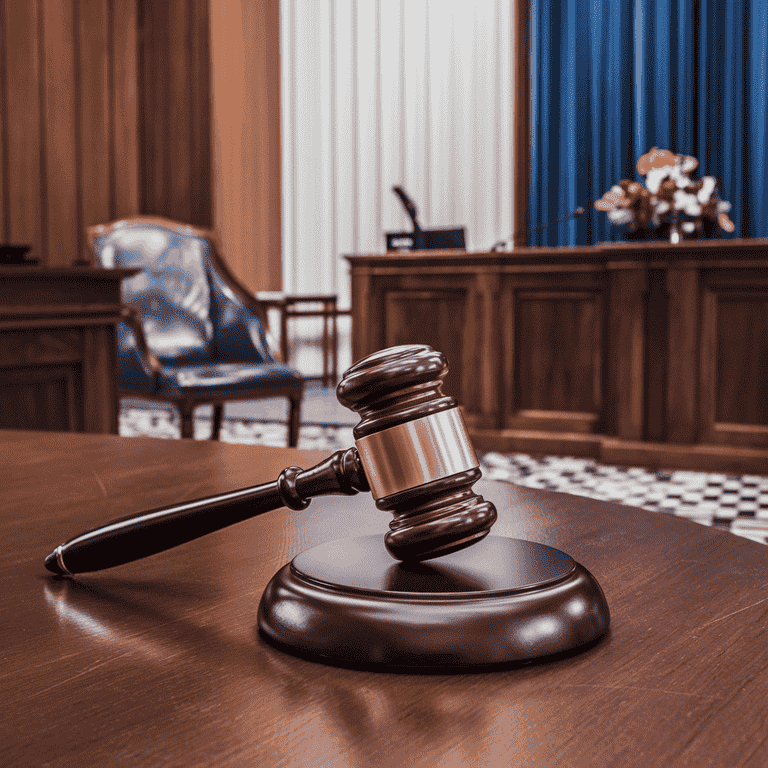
[(193, 309), (172, 292)]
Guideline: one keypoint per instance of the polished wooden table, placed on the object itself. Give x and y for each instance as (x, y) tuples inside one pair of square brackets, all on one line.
[(159, 663)]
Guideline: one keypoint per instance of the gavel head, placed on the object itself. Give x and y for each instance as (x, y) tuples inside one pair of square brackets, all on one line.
[(416, 453)]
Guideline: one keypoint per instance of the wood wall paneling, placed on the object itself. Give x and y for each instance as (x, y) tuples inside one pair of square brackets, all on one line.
[(60, 132), (435, 317), (174, 110), (68, 139), (22, 146), (124, 109), (245, 77), (94, 149)]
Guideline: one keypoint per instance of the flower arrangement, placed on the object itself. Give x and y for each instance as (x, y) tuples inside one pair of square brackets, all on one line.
[(669, 199)]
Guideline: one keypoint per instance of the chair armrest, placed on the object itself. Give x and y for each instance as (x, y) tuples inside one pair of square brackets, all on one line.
[(139, 368), (240, 322), (242, 334)]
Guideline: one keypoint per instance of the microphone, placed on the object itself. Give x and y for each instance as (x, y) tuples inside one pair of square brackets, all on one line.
[(411, 451), (409, 206), (573, 215)]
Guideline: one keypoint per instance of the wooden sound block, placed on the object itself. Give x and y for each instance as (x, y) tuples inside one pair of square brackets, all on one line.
[(502, 600)]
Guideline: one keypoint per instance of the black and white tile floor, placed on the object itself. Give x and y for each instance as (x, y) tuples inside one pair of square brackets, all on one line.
[(161, 422), (736, 503)]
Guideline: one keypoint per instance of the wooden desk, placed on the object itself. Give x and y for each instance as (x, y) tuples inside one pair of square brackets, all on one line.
[(159, 662), (58, 360), (631, 353)]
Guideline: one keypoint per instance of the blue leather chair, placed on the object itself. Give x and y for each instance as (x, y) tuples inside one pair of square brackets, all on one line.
[(192, 333)]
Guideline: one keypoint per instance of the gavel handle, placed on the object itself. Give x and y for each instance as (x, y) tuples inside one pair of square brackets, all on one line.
[(148, 533)]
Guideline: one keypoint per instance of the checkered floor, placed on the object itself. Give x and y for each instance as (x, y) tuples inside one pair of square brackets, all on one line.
[(736, 503)]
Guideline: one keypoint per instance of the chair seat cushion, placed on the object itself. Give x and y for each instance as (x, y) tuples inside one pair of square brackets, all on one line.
[(221, 378)]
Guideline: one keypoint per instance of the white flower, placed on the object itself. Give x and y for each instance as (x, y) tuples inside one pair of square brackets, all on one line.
[(723, 206), (705, 193), (687, 202), (620, 216), (654, 178), (662, 206), (681, 179)]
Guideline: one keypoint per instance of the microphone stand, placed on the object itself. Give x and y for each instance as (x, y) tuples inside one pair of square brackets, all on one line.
[(501, 243)]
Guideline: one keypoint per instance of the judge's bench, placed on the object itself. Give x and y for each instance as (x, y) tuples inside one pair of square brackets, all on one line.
[(632, 353)]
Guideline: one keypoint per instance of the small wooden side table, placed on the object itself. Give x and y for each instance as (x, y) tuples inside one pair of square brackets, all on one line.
[(289, 305)]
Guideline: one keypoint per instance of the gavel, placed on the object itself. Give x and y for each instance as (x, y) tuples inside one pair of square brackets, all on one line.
[(411, 451)]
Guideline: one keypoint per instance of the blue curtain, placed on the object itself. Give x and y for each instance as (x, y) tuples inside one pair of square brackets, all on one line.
[(612, 78)]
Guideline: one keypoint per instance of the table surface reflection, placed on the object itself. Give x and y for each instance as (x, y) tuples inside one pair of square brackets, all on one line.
[(159, 662)]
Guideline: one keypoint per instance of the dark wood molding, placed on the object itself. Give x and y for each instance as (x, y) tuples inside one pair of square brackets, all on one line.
[(520, 157)]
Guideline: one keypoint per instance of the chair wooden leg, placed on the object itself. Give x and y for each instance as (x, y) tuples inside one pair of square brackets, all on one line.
[(218, 415), (294, 416), (186, 412)]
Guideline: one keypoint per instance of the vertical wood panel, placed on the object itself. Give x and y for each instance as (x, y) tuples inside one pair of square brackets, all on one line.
[(683, 349), (245, 41), (124, 148), (176, 139), (520, 159), (200, 119), (23, 127), (624, 398), (488, 287), (62, 233), (174, 110), (94, 120), (68, 154)]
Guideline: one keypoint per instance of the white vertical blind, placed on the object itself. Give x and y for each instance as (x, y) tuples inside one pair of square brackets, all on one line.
[(383, 92)]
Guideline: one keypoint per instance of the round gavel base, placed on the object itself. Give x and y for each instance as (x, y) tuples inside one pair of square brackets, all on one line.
[(502, 600)]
